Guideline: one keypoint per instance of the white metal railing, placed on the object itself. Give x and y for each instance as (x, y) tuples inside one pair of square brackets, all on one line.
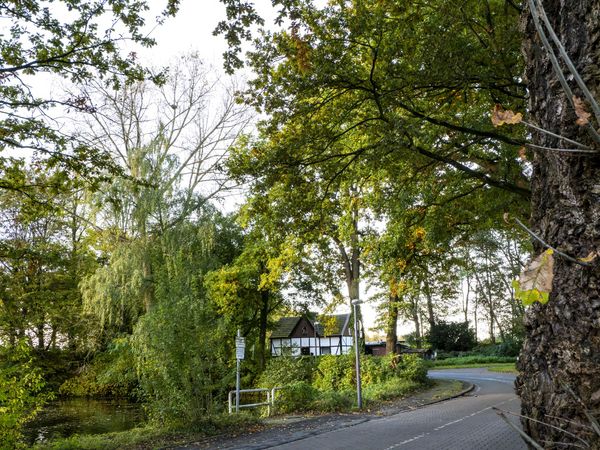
[(269, 403)]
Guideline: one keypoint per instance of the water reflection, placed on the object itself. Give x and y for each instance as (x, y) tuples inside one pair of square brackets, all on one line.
[(64, 418)]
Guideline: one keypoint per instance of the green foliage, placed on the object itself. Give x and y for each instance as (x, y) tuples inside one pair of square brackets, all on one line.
[(333, 401), (21, 393), (335, 373), (328, 382), (179, 348), (64, 39), (391, 389), (285, 370), (152, 436), (297, 396), (529, 297), (475, 359), (413, 368), (452, 336), (110, 374), (509, 347), (42, 259)]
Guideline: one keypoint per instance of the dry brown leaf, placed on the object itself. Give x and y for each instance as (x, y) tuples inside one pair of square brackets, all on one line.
[(583, 117), (501, 116), (538, 274), (506, 217)]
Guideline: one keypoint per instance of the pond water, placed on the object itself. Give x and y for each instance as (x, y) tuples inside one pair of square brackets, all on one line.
[(63, 418)]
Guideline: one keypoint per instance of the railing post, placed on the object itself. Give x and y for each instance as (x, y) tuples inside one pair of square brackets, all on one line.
[(268, 404)]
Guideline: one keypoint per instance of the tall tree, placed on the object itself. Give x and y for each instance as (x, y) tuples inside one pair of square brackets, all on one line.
[(247, 291), (562, 350), (65, 39), (42, 260)]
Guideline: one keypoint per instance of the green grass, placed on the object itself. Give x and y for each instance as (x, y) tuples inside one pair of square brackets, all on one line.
[(492, 367), (475, 359), (391, 390), (153, 437), (446, 388), (504, 364), (504, 368)]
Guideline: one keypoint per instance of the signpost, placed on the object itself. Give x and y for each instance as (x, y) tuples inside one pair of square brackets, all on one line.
[(240, 347), (355, 303)]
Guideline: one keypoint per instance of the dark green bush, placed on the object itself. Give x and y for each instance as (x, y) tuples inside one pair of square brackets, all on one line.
[(475, 359), (334, 401), (412, 368), (286, 370), (335, 373), (509, 347), (21, 392), (111, 374), (296, 397), (390, 389), (328, 383), (451, 336)]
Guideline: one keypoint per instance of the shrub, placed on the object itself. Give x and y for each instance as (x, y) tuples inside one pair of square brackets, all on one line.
[(296, 397), (452, 336), (286, 370), (509, 347), (110, 374), (412, 368), (334, 401), (21, 393), (390, 389), (334, 373), (475, 359)]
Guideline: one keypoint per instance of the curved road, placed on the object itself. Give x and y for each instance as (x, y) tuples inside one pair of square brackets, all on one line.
[(463, 423)]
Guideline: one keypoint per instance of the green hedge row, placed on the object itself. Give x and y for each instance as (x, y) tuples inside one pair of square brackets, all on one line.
[(327, 383)]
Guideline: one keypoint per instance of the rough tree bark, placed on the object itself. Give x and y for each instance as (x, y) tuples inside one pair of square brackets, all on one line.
[(563, 337), (391, 335)]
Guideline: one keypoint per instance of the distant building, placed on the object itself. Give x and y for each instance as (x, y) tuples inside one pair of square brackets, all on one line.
[(300, 336)]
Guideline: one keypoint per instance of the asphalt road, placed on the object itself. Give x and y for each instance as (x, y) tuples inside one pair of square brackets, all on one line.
[(463, 423)]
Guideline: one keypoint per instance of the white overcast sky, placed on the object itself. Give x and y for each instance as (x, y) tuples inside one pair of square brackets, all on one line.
[(191, 30)]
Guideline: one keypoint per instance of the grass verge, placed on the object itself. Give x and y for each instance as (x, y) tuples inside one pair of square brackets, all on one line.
[(492, 367), (155, 437)]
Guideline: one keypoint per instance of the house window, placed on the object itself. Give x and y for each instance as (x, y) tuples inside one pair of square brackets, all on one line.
[(325, 350), (305, 351)]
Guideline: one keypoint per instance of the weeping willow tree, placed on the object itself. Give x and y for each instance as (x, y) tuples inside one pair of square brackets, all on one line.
[(158, 236)]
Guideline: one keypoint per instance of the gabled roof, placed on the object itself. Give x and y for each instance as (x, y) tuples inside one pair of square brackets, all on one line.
[(286, 325)]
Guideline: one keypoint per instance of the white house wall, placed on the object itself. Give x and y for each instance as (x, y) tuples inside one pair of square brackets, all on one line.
[(336, 345)]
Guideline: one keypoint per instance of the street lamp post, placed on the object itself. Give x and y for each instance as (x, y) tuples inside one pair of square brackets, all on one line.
[(316, 323), (355, 304)]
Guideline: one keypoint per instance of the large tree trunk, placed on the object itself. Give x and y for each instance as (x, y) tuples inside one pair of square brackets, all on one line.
[(428, 296), (562, 347), (391, 335), (417, 322), (262, 334)]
